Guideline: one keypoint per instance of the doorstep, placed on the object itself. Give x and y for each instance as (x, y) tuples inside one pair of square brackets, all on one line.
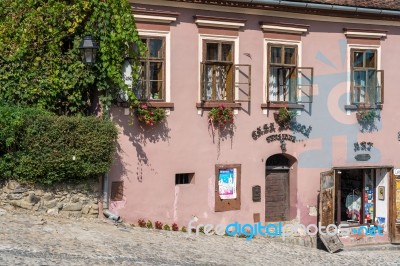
[(362, 240)]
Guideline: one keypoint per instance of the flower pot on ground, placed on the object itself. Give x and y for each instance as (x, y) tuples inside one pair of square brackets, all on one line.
[(149, 115)]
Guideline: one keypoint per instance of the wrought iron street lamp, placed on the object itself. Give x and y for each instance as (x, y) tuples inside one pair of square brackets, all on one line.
[(88, 48), (283, 146)]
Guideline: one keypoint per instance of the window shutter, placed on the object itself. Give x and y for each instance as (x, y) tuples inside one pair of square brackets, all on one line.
[(202, 81), (227, 84), (305, 82), (242, 77), (379, 86)]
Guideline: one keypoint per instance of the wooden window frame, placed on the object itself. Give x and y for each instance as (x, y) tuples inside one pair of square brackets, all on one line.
[(147, 60), (222, 205), (282, 65), (366, 103), (230, 93)]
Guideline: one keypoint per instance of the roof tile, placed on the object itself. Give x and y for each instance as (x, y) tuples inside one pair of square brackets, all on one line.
[(379, 4)]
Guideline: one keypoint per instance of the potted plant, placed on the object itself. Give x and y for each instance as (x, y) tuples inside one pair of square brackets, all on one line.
[(284, 116), (220, 117), (366, 116), (149, 115)]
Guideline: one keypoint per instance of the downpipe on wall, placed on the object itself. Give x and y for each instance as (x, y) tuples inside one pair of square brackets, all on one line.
[(106, 212)]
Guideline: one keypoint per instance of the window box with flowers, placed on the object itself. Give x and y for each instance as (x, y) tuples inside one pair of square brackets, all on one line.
[(283, 117), (220, 117), (366, 116), (150, 115)]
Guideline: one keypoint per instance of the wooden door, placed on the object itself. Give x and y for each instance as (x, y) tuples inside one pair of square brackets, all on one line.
[(395, 210), (277, 196), (327, 199)]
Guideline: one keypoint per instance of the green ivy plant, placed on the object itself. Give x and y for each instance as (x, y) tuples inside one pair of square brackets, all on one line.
[(40, 60)]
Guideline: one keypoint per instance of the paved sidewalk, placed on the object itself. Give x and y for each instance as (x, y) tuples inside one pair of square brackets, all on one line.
[(33, 240)]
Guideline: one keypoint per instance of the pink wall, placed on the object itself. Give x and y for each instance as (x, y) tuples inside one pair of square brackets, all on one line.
[(149, 158)]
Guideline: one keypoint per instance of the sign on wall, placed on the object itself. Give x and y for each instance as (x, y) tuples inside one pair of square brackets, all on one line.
[(227, 187), (227, 183)]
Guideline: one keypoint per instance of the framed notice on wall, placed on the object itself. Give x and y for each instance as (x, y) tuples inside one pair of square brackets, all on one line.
[(227, 187), (227, 183)]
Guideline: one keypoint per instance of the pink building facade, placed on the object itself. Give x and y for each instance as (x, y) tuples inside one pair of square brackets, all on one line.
[(334, 162)]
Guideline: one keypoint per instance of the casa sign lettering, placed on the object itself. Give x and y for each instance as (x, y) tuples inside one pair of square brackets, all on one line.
[(280, 137), (270, 128)]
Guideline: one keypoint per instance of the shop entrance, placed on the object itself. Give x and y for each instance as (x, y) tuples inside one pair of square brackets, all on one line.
[(355, 196), (360, 196), (277, 189)]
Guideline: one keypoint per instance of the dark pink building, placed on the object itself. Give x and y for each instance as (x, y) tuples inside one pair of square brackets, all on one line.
[(335, 159)]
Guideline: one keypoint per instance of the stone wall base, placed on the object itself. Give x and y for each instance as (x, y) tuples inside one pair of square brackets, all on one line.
[(63, 200)]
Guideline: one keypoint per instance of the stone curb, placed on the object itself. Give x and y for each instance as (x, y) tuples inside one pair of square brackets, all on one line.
[(384, 247)]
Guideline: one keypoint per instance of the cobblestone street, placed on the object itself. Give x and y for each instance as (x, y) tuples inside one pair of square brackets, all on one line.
[(35, 240)]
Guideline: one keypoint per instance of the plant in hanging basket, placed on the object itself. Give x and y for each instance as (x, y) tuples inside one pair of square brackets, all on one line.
[(366, 116), (220, 117), (284, 116), (149, 115)]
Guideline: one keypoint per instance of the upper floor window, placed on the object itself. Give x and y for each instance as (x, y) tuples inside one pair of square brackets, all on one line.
[(282, 63), (217, 71), (366, 79), (287, 82), (151, 83)]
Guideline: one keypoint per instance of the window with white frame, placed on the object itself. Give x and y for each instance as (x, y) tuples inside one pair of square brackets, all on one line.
[(151, 83), (366, 80), (217, 70), (286, 81), (221, 79)]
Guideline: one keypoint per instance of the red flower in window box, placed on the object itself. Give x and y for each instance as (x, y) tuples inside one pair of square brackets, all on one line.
[(150, 116), (220, 117)]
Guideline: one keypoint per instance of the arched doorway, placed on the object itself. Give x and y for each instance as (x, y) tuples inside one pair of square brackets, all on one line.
[(277, 200)]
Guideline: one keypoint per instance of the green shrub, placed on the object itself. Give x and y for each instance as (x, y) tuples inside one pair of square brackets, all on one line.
[(167, 227), (40, 147), (149, 224)]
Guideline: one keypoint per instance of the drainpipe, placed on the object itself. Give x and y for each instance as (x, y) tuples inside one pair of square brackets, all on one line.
[(105, 203), (105, 191), (377, 11)]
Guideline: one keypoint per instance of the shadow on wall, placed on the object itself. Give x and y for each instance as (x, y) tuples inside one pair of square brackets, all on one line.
[(139, 136), (221, 134)]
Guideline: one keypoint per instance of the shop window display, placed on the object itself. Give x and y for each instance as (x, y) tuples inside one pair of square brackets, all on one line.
[(356, 196)]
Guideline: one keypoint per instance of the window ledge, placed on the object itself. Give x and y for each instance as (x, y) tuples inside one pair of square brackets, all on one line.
[(152, 104), (353, 107), (209, 105), (277, 105), (159, 104)]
